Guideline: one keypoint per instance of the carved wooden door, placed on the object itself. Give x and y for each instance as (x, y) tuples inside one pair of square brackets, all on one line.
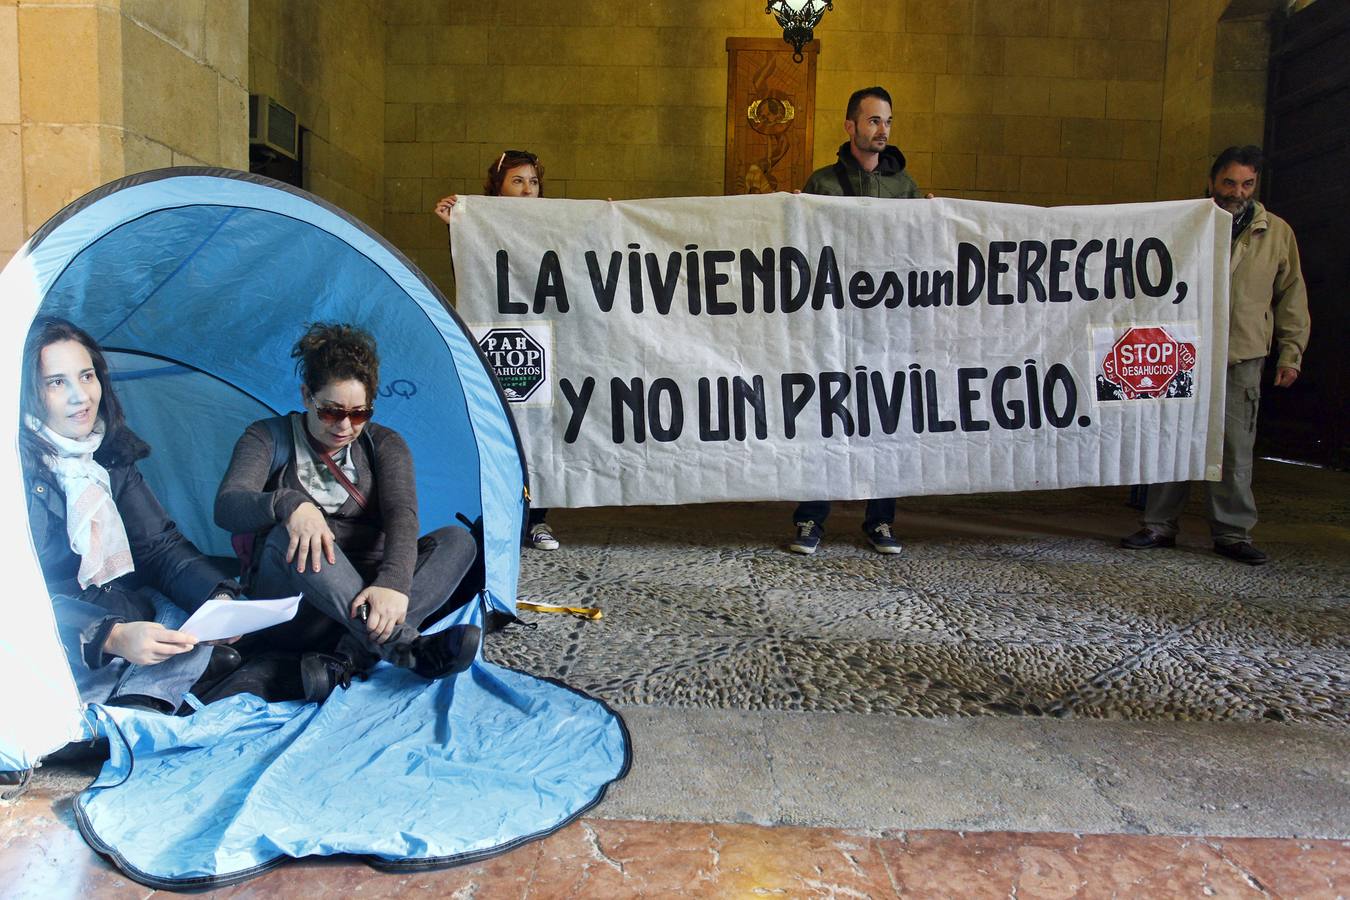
[(771, 111)]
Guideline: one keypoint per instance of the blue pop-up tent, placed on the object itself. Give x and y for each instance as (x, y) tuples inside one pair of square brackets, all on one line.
[(197, 282)]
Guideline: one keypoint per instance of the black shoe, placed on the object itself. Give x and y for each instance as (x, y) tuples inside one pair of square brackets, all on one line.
[(224, 661), (273, 677), (14, 784), (446, 652), (142, 702), (1243, 552), (1147, 539), (321, 672)]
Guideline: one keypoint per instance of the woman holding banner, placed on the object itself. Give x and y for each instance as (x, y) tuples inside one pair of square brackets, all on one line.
[(515, 173)]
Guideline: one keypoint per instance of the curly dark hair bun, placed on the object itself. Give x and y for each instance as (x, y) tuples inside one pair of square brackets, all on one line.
[(336, 351)]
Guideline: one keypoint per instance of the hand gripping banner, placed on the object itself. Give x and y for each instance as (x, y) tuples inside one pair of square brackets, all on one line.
[(787, 347)]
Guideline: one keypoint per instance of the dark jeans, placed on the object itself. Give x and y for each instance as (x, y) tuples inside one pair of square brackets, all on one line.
[(536, 516), (878, 512), (443, 557)]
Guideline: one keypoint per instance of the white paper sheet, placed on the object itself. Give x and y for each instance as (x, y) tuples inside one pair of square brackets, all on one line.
[(218, 620)]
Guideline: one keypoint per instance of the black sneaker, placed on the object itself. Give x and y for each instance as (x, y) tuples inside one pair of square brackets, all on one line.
[(1147, 539), (446, 652), (321, 672), (807, 539)]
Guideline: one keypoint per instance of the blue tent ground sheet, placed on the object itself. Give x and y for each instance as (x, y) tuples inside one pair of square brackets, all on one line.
[(404, 773)]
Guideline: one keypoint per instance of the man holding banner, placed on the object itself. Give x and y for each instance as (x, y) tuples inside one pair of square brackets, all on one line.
[(1268, 303), (769, 347), (867, 167)]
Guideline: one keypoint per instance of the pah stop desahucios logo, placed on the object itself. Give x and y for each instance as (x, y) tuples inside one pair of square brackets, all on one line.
[(517, 359), (1145, 363)]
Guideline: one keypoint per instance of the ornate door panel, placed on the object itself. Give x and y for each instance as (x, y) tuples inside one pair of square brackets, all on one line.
[(771, 111)]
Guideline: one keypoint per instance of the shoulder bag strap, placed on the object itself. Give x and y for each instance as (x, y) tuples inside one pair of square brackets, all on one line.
[(280, 430), (333, 467)]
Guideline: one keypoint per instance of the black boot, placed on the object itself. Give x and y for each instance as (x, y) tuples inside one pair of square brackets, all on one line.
[(271, 676), (224, 660), (321, 672), (446, 652)]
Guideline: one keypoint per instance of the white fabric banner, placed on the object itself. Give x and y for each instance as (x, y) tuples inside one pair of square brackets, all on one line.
[(797, 347)]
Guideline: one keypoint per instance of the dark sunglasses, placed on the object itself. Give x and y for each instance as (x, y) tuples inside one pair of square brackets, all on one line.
[(335, 414)]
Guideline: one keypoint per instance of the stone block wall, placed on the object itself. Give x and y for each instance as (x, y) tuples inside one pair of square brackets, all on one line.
[(1215, 93), (324, 60), (12, 229), (91, 91), (1241, 73), (1030, 101)]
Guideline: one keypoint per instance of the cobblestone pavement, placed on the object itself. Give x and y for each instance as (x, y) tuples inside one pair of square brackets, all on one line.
[(1002, 604)]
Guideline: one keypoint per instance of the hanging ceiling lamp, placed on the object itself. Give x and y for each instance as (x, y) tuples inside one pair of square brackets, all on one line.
[(799, 19)]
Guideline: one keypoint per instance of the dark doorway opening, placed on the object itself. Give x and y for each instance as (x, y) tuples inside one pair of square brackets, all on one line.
[(1307, 181)]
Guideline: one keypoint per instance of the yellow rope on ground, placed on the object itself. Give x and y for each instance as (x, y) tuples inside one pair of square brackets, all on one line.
[(581, 612)]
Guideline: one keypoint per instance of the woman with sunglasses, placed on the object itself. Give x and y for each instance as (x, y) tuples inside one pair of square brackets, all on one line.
[(121, 575), (337, 520), (515, 173)]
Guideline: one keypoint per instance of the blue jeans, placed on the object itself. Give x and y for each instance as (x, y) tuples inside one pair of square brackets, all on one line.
[(878, 512), (167, 681)]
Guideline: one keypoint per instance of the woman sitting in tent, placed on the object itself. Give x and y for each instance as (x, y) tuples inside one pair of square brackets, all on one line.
[(330, 499), (516, 173), (104, 542)]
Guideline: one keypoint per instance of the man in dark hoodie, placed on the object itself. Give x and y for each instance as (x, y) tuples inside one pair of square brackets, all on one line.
[(867, 167)]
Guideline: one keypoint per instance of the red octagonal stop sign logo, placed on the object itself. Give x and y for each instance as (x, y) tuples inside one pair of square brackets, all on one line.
[(1145, 360)]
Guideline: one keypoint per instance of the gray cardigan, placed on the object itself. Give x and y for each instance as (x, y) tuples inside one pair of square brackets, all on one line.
[(381, 541)]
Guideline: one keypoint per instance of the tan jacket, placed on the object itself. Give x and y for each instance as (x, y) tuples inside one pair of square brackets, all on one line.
[(1268, 299)]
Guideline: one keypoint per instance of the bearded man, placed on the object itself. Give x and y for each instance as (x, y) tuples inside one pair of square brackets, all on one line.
[(1268, 306)]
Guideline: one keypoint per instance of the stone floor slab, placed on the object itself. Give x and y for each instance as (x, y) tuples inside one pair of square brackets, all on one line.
[(982, 774)]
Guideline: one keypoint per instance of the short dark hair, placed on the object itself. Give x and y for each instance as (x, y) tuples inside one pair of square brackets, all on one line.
[(45, 331), (333, 351), (856, 98), (510, 159), (1249, 155)]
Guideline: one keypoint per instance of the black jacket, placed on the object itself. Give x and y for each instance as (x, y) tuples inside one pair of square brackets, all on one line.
[(165, 560)]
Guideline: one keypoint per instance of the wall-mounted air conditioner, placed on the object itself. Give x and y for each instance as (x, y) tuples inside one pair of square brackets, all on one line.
[(273, 126)]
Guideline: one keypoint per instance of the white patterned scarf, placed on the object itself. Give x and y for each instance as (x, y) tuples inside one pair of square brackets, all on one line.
[(93, 523)]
